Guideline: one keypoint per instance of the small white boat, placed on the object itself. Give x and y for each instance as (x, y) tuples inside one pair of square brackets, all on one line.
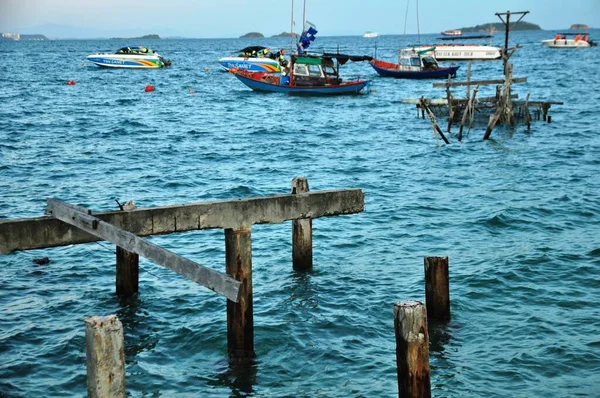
[(370, 35), (461, 52), (562, 40), (130, 57), (453, 32)]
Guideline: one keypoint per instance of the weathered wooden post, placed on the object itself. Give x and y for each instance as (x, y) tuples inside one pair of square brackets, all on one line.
[(302, 253), (105, 357), (128, 263), (240, 315), (437, 288), (412, 350)]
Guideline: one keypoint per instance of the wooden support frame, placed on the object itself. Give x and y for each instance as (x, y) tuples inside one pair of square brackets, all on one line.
[(480, 82), (214, 280)]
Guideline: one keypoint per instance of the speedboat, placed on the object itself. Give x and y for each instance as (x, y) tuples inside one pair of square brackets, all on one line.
[(254, 59), (130, 57), (370, 35), (562, 40), (413, 65), (307, 75), (461, 52)]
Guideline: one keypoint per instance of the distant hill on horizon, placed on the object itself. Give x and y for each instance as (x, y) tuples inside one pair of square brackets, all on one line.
[(499, 26), (145, 37), (252, 35)]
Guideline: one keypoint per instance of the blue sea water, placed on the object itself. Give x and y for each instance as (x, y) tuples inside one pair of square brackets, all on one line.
[(518, 216)]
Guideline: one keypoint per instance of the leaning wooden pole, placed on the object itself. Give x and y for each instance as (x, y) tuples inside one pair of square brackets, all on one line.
[(412, 349), (105, 357), (437, 288), (302, 253), (240, 315), (128, 263)]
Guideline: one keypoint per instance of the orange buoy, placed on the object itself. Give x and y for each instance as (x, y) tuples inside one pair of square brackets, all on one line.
[(71, 82), (149, 88)]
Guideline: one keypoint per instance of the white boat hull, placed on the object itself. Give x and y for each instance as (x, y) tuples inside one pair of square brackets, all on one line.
[(566, 43), (139, 61), (463, 52), (260, 64)]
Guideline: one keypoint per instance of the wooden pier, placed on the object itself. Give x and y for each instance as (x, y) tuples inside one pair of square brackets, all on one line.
[(502, 108), (67, 224)]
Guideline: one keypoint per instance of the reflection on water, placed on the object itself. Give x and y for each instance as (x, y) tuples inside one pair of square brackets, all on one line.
[(240, 377)]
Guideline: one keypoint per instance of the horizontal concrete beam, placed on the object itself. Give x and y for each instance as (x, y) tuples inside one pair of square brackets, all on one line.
[(43, 232)]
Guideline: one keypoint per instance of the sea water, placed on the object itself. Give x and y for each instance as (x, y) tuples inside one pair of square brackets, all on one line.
[(517, 215)]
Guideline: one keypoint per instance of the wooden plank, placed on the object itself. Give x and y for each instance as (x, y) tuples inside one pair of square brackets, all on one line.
[(480, 82), (214, 280), (43, 232)]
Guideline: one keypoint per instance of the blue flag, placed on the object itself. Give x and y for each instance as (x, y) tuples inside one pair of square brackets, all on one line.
[(308, 35)]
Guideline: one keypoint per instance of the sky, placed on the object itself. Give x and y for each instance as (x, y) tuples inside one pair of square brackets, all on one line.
[(233, 18)]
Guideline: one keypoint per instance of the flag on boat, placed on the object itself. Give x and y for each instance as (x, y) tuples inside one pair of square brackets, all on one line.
[(308, 35)]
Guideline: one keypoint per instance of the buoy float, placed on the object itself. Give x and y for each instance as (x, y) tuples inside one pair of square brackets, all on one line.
[(71, 82), (192, 91), (149, 88), (206, 69)]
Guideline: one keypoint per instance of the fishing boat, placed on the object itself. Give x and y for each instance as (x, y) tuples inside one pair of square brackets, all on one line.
[(461, 52), (130, 57), (413, 65), (307, 75), (254, 59), (563, 40)]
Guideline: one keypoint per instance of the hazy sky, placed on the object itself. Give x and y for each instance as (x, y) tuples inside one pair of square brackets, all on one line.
[(232, 18)]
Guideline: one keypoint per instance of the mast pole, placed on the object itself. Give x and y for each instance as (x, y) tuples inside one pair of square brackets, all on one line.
[(303, 15), (292, 30)]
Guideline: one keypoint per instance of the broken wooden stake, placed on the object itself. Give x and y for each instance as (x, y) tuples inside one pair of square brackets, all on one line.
[(412, 349), (437, 288), (105, 357), (302, 253)]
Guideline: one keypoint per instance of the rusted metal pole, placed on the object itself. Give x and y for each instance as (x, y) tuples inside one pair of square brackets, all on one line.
[(302, 253), (412, 349), (240, 315), (437, 288), (128, 263), (105, 357)]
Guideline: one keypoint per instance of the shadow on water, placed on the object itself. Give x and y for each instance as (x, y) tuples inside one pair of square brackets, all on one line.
[(140, 334), (240, 377), (439, 338)]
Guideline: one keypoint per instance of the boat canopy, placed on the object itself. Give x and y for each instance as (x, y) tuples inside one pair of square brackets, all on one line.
[(309, 60), (134, 50)]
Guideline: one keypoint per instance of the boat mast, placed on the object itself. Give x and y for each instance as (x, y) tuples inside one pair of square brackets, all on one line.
[(303, 15), (292, 31)]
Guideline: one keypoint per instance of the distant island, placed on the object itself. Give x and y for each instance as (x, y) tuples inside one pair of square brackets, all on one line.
[(252, 35), (146, 37), (17, 36), (499, 26), (579, 26), (286, 34)]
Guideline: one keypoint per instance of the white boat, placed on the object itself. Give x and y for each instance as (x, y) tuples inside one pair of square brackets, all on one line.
[(254, 59), (453, 32), (130, 57), (370, 35), (461, 52), (562, 40)]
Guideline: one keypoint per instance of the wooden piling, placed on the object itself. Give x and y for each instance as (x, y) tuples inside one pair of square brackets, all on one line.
[(240, 315), (527, 114), (437, 288), (105, 357), (412, 349), (433, 122), (128, 263), (302, 252)]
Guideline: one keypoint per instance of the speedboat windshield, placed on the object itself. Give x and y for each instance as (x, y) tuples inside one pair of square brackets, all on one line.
[(134, 50)]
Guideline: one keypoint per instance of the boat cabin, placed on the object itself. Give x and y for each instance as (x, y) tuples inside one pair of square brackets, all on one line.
[(314, 71), (416, 62)]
